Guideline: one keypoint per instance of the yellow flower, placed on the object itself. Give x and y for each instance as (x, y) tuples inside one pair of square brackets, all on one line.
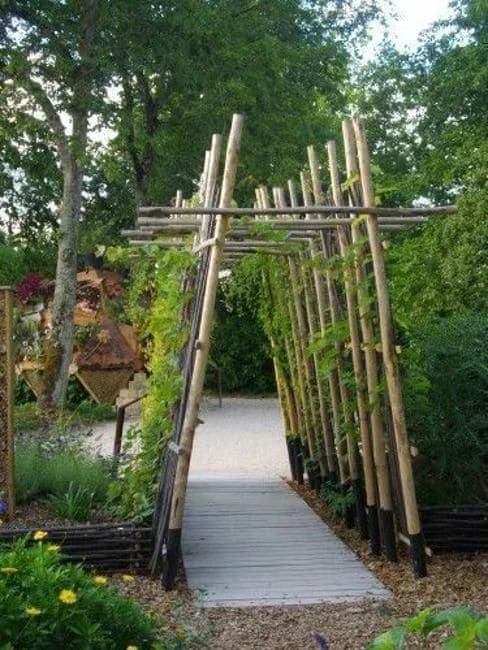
[(39, 535), (8, 569), (67, 597), (52, 548), (132, 647), (128, 578), (100, 580), (32, 611)]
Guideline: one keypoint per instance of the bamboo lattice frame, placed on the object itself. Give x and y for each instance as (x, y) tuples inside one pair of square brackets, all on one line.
[(375, 463)]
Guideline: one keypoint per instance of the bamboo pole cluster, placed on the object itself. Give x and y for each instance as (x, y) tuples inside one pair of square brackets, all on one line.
[(331, 395)]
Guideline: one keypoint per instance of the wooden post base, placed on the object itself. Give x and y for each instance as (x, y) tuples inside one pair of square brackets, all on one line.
[(417, 554), (388, 535), (361, 518), (373, 530), (171, 559)]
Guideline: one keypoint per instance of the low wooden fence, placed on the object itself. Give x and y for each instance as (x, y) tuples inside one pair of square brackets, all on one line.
[(108, 547), (456, 528)]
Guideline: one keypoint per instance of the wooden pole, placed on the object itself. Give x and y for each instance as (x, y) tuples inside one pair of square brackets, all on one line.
[(148, 211), (7, 383), (392, 371), (368, 339), (336, 317), (311, 311), (358, 365), (297, 348), (323, 310), (211, 174), (201, 356)]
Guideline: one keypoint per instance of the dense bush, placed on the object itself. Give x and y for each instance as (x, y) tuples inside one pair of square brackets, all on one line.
[(446, 384), (72, 482), (239, 348), (46, 604), (441, 267)]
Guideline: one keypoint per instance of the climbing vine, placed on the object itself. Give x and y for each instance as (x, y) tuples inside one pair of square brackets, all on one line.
[(156, 303)]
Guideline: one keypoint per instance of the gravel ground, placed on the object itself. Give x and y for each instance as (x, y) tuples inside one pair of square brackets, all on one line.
[(453, 579), (246, 437)]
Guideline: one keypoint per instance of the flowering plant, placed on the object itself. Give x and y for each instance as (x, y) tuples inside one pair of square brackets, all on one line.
[(45, 603), (29, 288)]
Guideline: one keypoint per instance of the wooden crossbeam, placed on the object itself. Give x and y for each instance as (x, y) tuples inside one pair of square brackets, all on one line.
[(299, 210)]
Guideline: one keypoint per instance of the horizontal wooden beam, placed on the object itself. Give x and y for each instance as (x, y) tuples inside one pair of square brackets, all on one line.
[(316, 209)]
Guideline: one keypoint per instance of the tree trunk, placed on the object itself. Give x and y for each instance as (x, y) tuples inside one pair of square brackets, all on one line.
[(59, 346)]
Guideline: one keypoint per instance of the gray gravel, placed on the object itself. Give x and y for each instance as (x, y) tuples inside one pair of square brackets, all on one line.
[(243, 438)]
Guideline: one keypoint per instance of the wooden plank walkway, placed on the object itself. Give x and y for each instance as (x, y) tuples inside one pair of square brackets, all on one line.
[(253, 541)]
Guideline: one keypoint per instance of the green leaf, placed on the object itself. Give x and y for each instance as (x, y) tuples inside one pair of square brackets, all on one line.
[(392, 640), (482, 631)]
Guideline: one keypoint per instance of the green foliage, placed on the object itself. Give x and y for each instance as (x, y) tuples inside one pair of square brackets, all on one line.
[(28, 416), (74, 504), (61, 476), (17, 259), (446, 383), (339, 502), (239, 346), (467, 630), (425, 110), (46, 604), (442, 266), (156, 305)]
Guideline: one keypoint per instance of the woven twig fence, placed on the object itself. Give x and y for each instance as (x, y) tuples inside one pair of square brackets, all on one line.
[(115, 547)]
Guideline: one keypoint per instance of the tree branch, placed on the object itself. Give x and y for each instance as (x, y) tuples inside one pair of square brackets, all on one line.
[(36, 91), (52, 117)]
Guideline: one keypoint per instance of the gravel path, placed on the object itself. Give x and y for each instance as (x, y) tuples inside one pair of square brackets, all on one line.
[(244, 437)]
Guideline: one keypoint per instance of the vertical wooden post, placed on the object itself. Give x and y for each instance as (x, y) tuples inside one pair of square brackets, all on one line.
[(210, 178), (370, 355), (7, 381), (311, 309), (322, 308), (335, 316), (358, 366), (392, 371), (201, 356), (297, 347), (298, 288)]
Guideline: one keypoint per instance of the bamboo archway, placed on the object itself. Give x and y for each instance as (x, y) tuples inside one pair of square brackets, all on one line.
[(356, 439)]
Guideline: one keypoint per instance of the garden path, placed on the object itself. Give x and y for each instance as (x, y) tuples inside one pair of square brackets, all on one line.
[(248, 538)]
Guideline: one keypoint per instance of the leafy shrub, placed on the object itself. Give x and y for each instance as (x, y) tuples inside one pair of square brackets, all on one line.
[(46, 604), (441, 267), (467, 630), (446, 383), (39, 473)]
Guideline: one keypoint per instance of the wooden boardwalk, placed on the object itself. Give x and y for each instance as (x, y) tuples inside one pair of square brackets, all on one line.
[(253, 541)]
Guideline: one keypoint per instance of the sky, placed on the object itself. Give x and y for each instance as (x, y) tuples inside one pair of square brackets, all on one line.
[(414, 16)]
